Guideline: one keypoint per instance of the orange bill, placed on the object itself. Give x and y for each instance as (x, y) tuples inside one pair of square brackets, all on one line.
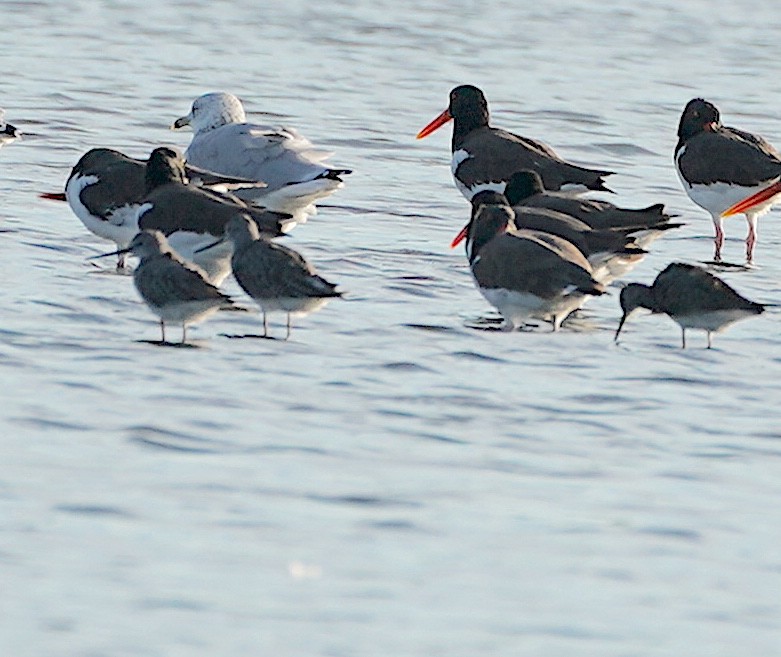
[(756, 199), (53, 196), (437, 123), (460, 237)]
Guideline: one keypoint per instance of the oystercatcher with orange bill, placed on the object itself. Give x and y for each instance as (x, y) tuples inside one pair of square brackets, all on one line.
[(485, 157), (526, 273), (720, 167)]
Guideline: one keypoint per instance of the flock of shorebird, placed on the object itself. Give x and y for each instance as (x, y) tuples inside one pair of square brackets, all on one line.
[(536, 249)]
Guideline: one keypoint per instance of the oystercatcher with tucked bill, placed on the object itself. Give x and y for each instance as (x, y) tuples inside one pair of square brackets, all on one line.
[(485, 157), (720, 167)]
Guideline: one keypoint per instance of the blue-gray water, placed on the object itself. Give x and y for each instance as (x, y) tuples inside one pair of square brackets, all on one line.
[(391, 481)]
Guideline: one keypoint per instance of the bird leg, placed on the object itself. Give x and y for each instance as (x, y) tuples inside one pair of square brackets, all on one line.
[(265, 325), (709, 339), (751, 238), (718, 224), (287, 336), (683, 338), (162, 331), (184, 332)]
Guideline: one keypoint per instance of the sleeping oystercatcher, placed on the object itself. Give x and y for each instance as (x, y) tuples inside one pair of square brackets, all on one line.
[(106, 188), (720, 166), (486, 157)]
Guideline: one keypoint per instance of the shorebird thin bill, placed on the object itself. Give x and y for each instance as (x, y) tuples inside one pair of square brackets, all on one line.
[(755, 199), (53, 196), (209, 246), (106, 255), (437, 123), (460, 237), (620, 326)]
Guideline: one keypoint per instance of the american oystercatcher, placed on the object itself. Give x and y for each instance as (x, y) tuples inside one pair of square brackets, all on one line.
[(525, 188), (106, 188), (486, 157), (720, 166), (692, 297), (276, 277), (526, 273), (610, 252), (290, 165)]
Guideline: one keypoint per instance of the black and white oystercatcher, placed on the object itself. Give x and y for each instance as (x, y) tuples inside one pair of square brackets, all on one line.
[(106, 188), (292, 167), (525, 188), (721, 166), (526, 273), (191, 217), (691, 296), (486, 157), (610, 252)]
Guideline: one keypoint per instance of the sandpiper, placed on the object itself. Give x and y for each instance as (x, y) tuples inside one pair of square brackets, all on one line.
[(721, 166), (526, 273), (275, 276), (691, 296), (486, 157), (290, 164), (175, 290)]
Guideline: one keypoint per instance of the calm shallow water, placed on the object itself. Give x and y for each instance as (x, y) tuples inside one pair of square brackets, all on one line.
[(391, 481)]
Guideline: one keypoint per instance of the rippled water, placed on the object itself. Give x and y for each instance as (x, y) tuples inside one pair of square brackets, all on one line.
[(391, 481)]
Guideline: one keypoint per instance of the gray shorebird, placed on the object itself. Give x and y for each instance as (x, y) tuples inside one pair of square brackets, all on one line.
[(720, 166), (276, 277), (526, 273), (106, 188), (8, 132), (692, 297), (290, 164), (175, 290), (485, 157)]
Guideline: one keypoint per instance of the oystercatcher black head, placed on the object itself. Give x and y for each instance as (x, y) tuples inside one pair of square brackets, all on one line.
[(698, 116), (522, 185), (165, 165)]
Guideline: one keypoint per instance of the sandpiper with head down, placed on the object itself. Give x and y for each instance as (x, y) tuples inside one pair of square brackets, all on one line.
[(692, 297)]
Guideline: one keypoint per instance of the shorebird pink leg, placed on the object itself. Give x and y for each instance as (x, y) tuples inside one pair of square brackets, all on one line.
[(751, 238), (718, 224)]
